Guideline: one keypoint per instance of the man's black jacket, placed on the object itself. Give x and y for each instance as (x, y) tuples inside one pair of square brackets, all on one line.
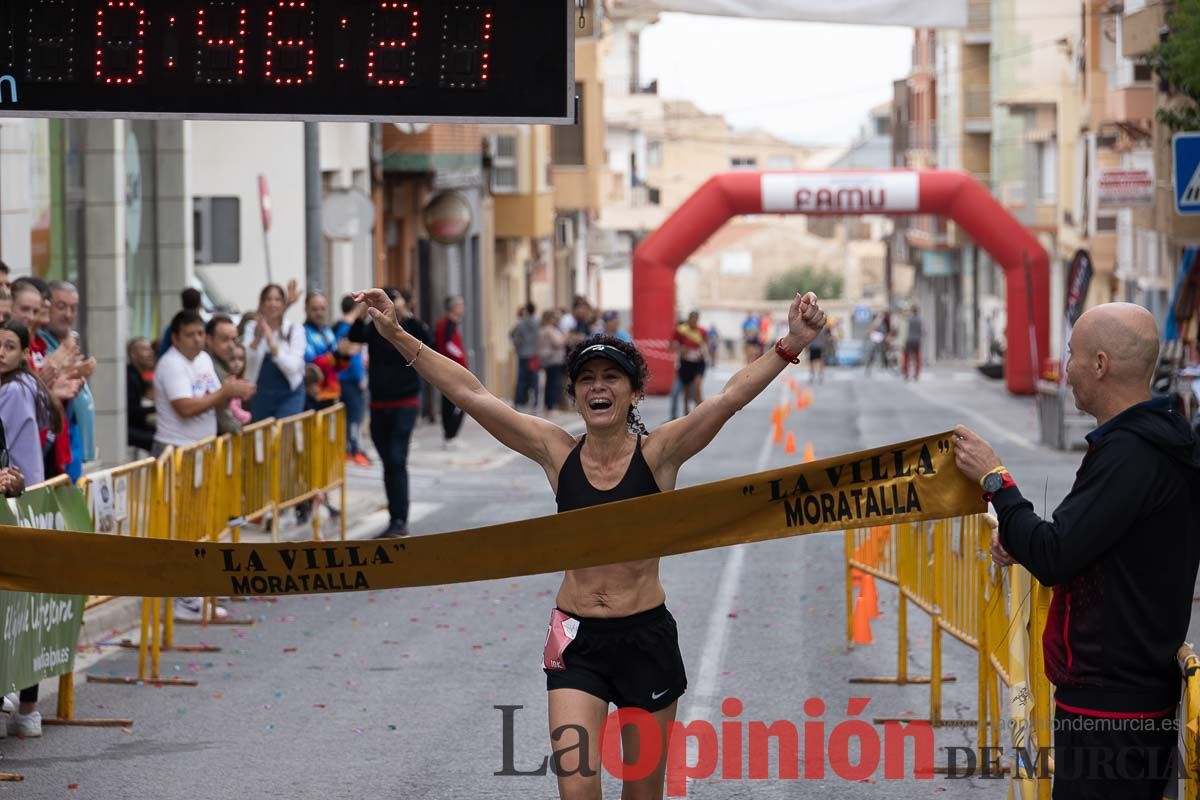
[(1121, 554), (388, 379)]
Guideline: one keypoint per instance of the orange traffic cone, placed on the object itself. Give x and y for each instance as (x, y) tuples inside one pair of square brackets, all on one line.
[(778, 437), (809, 457), (790, 446), (860, 629), (869, 595)]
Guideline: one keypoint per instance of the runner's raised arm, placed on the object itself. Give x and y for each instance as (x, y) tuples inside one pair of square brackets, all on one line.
[(680, 439), (526, 434)]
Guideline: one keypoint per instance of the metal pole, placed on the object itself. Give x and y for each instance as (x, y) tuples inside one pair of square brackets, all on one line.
[(313, 240), (887, 268), (379, 275)]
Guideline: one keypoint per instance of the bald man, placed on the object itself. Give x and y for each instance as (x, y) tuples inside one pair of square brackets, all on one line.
[(1121, 553)]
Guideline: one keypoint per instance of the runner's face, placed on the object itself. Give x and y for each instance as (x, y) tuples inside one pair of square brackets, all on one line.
[(11, 353), (603, 394)]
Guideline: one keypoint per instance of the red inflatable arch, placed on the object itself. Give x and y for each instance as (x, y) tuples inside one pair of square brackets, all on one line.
[(893, 193)]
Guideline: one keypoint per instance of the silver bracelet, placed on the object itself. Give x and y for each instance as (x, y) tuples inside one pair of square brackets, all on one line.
[(418, 355)]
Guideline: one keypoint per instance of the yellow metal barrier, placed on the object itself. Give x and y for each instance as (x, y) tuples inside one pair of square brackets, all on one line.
[(137, 506), (201, 493), (293, 479), (198, 511), (254, 457), (204, 491), (329, 472)]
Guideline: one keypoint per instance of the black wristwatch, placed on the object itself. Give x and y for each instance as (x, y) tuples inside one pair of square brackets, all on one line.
[(993, 482)]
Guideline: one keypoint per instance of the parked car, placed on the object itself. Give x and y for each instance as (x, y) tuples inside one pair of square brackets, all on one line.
[(849, 353)]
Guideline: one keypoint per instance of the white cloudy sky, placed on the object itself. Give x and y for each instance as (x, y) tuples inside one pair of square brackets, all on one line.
[(810, 82)]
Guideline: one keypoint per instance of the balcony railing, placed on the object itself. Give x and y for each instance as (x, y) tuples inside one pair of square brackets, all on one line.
[(977, 104)]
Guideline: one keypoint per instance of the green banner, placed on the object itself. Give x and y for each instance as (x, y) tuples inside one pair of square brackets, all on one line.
[(40, 630)]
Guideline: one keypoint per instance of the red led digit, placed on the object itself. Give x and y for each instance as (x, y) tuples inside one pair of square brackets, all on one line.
[(221, 43), (391, 49), (291, 52), (466, 58), (120, 42)]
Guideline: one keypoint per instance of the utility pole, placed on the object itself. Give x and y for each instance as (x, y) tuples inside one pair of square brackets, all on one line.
[(314, 245)]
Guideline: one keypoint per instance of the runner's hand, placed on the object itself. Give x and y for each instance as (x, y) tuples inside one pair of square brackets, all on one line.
[(805, 320), (381, 309)]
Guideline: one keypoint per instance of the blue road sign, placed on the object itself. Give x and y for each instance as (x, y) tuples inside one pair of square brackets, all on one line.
[(1187, 173)]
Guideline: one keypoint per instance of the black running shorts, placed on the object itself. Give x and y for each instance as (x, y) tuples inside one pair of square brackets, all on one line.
[(689, 371), (632, 662)]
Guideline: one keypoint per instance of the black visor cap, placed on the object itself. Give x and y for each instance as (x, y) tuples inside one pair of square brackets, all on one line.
[(604, 351)]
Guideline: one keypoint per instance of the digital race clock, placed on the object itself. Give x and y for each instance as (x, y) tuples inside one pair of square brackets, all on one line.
[(414, 60)]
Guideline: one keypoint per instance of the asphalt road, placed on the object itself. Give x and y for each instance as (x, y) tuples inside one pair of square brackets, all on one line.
[(393, 694)]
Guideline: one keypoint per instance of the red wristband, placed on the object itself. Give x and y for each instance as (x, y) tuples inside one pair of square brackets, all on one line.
[(785, 354)]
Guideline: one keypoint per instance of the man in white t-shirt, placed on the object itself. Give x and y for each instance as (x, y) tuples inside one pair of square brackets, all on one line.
[(187, 394)]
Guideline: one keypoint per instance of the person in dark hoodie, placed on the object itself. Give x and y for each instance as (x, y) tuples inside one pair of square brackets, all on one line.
[(395, 389), (1121, 553)]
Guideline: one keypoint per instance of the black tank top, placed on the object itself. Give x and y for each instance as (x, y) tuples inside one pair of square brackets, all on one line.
[(575, 491)]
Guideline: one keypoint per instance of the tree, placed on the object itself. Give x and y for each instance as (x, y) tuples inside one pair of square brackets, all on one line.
[(822, 282), (1177, 62), (806, 278)]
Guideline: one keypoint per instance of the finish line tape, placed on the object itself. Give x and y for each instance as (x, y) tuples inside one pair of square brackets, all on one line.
[(906, 482)]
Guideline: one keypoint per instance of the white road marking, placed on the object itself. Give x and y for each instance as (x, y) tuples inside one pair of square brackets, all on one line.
[(979, 419), (704, 691)]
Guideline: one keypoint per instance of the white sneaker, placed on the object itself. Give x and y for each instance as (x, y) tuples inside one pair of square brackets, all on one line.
[(27, 726), (189, 609)]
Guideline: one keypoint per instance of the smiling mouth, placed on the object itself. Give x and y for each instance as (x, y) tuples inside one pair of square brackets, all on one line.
[(600, 404)]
